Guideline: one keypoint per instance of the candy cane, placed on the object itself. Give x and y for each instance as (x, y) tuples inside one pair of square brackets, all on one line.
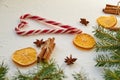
[(64, 28)]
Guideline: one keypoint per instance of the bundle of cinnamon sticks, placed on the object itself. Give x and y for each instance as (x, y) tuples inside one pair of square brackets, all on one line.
[(112, 9), (46, 50)]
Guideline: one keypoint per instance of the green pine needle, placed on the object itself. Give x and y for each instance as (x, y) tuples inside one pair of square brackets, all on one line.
[(106, 35), (49, 71), (45, 71), (112, 74), (105, 60), (3, 71), (80, 76), (116, 54), (108, 42), (105, 46), (22, 76)]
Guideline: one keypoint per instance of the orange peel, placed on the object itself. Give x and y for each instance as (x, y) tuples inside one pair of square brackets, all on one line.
[(84, 40), (107, 21), (25, 56)]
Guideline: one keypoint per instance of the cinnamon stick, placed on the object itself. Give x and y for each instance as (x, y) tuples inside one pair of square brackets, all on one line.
[(114, 28), (46, 50), (112, 9), (109, 5), (41, 54), (49, 48)]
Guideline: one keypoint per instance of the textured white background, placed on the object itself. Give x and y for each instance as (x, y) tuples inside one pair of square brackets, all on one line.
[(65, 11)]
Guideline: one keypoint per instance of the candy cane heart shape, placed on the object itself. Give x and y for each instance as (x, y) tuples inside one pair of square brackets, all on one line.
[(61, 30)]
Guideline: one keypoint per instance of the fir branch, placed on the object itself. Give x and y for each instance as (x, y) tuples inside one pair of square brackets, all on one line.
[(49, 71), (45, 71), (108, 41), (22, 76), (105, 46), (112, 74), (3, 71), (115, 54), (106, 35), (107, 61), (80, 76), (118, 34)]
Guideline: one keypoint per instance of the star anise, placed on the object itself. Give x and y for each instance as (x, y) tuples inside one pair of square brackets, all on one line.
[(70, 60), (84, 21), (38, 43)]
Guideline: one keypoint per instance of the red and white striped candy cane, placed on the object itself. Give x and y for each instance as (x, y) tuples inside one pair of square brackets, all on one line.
[(64, 28)]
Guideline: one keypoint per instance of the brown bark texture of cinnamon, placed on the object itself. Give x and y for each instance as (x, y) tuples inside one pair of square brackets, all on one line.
[(46, 50), (112, 9)]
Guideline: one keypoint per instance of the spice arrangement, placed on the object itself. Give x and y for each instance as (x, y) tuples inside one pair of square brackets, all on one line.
[(106, 43), (47, 69)]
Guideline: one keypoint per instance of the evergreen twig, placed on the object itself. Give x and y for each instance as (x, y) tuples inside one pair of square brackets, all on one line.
[(45, 71), (80, 76), (3, 71), (108, 41), (106, 35), (112, 74), (22, 76), (105, 60)]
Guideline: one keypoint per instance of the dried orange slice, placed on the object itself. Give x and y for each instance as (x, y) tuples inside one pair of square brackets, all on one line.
[(84, 40), (107, 21), (25, 56)]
